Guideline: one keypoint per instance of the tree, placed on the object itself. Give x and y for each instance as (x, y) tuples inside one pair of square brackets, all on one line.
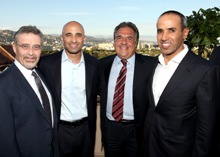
[(204, 28)]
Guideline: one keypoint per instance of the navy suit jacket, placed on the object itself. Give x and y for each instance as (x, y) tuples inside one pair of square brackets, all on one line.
[(185, 121), (142, 72), (25, 130), (50, 66)]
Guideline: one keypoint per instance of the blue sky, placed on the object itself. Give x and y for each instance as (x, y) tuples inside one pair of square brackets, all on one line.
[(99, 17)]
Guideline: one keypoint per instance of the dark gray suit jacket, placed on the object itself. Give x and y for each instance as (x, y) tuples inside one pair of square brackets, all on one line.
[(25, 130), (185, 122)]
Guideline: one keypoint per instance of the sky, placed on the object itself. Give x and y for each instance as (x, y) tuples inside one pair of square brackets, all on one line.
[(99, 17)]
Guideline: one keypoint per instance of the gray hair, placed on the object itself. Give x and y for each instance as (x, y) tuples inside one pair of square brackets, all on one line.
[(130, 25), (28, 29)]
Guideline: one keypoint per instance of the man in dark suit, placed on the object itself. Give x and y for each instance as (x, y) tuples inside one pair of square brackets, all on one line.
[(183, 118), (122, 132), (73, 77), (215, 56), (27, 128)]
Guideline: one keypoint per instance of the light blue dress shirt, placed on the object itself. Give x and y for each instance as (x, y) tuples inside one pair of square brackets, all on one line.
[(128, 110), (73, 97)]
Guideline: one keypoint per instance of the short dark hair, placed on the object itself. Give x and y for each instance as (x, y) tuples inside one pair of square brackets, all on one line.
[(28, 29), (127, 24), (183, 19)]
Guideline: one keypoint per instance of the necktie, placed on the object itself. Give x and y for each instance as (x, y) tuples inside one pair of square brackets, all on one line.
[(43, 94), (118, 100)]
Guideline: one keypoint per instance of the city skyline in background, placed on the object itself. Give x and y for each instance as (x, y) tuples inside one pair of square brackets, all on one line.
[(99, 17)]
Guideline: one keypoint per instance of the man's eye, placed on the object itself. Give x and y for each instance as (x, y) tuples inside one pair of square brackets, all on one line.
[(130, 38), (36, 47), (24, 46)]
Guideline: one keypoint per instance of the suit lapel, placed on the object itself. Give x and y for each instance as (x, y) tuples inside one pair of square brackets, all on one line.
[(182, 72), (56, 74), (24, 87), (89, 70), (137, 70), (107, 69), (150, 89)]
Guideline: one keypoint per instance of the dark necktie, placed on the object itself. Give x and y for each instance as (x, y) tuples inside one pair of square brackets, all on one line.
[(43, 94), (118, 100)]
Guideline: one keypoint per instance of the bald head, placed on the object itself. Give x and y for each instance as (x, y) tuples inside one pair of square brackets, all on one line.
[(73, 24), (73, 37)]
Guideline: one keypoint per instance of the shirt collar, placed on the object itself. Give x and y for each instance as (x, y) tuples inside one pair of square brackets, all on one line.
[(26, 72), (178, 58), (65, 58), (130, 60)]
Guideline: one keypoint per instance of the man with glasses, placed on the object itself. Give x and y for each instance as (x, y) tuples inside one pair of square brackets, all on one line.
[(27, 116)]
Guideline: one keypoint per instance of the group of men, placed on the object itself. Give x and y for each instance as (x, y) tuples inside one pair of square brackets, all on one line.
[(164, 106)]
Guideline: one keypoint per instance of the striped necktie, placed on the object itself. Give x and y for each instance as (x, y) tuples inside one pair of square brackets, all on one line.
[(118, 100)]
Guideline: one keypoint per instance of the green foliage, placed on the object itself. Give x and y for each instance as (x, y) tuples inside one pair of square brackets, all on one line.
[(204, 28)]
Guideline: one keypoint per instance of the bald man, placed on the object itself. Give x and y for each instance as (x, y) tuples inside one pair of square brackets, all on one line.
[(73, 78)]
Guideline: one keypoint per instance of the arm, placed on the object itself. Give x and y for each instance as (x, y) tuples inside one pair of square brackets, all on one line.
[(8, 143), (208, 108)]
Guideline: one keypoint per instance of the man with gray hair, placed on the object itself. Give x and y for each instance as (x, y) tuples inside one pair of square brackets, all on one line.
[(27, 116)]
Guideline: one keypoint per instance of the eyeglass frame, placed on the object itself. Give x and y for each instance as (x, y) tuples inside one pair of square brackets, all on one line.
[(28, 46)]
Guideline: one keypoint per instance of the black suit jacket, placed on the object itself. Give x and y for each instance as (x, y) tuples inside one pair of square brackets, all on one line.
[(215, 56), (25, 130), (185, 121), (50, 66), (142, 71)]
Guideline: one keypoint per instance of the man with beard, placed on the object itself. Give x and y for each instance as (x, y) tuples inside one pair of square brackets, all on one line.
[(73, 78), (27, 113), (183, 117)]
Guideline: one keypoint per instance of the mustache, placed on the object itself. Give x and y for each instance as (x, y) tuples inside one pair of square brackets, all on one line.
[(30, 57)]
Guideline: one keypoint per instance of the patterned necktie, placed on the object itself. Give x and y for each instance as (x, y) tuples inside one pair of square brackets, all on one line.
[(118, 100), (43, 94)]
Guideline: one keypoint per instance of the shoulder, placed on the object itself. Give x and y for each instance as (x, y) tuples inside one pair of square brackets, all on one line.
[(49, 59), (90, 57), (6, 76), (107, 59), (197, 60), (198, 63), (91, 60), (215, 56), (52, 56), (146, 59)]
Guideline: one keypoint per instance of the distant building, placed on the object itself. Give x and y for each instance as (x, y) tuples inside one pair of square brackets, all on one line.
[(106, 46)]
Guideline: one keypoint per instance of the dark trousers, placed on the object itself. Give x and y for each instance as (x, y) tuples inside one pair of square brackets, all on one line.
[(120, 140), (75, 141)]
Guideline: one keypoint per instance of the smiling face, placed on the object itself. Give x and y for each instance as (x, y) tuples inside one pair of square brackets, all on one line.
[(170, 35), (125, 42), (27, 49), (73, 37)]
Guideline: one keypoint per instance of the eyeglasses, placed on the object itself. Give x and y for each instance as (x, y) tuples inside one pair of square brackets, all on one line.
[(27, 47)]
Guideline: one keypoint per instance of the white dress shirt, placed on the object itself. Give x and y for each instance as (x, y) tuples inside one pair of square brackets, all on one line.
[(128, 110), (164, 72), (73, 101)]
